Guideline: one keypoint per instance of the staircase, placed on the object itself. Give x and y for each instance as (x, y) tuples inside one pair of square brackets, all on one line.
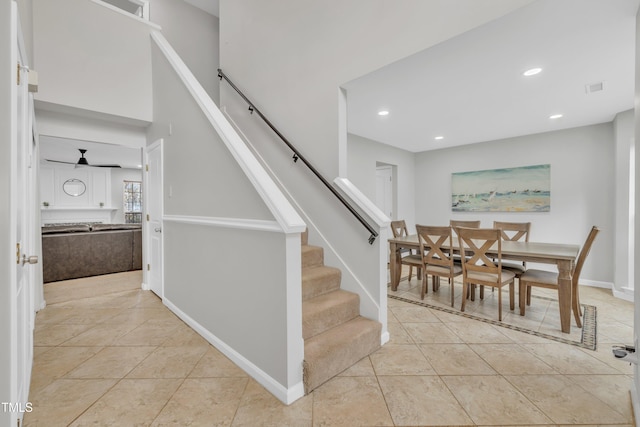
[(335, 335)]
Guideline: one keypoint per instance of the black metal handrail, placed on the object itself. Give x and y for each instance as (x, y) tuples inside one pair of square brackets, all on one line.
[(297, 155)]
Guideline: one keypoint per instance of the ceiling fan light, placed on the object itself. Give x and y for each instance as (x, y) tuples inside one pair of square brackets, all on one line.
[(83, 161)]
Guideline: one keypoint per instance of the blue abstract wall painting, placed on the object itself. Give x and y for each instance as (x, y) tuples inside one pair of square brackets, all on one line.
[(521, 189)]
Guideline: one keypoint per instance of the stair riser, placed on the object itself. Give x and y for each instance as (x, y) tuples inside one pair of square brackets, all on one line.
[(329, 317), (336, 359), (312, 256), (319, 285)]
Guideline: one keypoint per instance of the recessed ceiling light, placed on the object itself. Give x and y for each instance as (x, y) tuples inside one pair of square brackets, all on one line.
[(555, 116), (139, 166), (532, 72), (383, 113), (439, 137)]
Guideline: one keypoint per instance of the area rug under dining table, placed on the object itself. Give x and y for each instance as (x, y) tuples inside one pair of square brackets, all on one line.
[(541, 319)]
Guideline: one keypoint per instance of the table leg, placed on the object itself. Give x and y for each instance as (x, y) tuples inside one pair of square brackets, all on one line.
[(564, 294), (393, 265)]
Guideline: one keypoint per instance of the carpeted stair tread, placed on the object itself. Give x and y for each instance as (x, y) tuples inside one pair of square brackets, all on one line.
[(327, 311), (331, 352), (312, 256), (320, 280)]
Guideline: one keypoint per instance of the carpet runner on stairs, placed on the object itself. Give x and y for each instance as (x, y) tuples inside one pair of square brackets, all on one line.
[(335, 335)]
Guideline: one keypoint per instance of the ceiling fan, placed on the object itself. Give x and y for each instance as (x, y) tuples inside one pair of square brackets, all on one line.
[(82, 161)]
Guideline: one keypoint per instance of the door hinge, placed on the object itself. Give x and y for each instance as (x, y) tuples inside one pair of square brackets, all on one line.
[(18, 74), (148, 267), (147, 168), (147, 217), (17, 253)]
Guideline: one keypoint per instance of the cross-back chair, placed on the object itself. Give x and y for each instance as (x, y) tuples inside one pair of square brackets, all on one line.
[(399, 229), (437, 261), (454, 223), (514, 231), (547, 279), (481, 268)]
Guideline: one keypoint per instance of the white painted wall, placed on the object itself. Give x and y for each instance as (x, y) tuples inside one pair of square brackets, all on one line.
[(200, 175), (7, 247), (198, 46), (232, 282), (25, 11), (363, 155), (290, 57), (240, 287), (582, 188), (107, 69), (84, 126)]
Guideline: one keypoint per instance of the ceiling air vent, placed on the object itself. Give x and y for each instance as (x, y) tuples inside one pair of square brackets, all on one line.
[(594, 87)]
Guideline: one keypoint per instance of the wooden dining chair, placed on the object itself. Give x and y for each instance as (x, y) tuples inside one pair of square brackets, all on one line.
[(481, 269), (436, 250), (514, 231), (547, 279), (408, 257), (454, 223), (456, 258)]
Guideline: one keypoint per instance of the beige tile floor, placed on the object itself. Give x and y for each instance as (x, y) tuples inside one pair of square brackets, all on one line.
[(108, 353)]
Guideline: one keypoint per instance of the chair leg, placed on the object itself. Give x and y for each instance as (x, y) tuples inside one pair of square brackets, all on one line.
[(424, 288), (465, 289), (578, 300), (452, 290), (481, 291), (512, 291), (522, 291), (576, 311), (499, 304), (410, 273), (528, 295)]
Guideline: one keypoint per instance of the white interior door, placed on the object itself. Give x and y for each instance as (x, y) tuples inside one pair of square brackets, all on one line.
[(384, 189), (22, 207), (154, 219)]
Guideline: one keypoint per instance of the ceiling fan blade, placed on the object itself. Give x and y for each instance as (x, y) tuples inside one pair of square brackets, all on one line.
[(60, 161), (83, 162)]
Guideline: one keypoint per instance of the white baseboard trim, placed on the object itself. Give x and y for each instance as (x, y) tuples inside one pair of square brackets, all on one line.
[(626, 294), (635, 405), (145, 286), (287, 396), (384, 338), (596, 284)]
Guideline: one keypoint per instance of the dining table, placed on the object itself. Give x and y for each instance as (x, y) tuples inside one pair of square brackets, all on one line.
[(562, 255)]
